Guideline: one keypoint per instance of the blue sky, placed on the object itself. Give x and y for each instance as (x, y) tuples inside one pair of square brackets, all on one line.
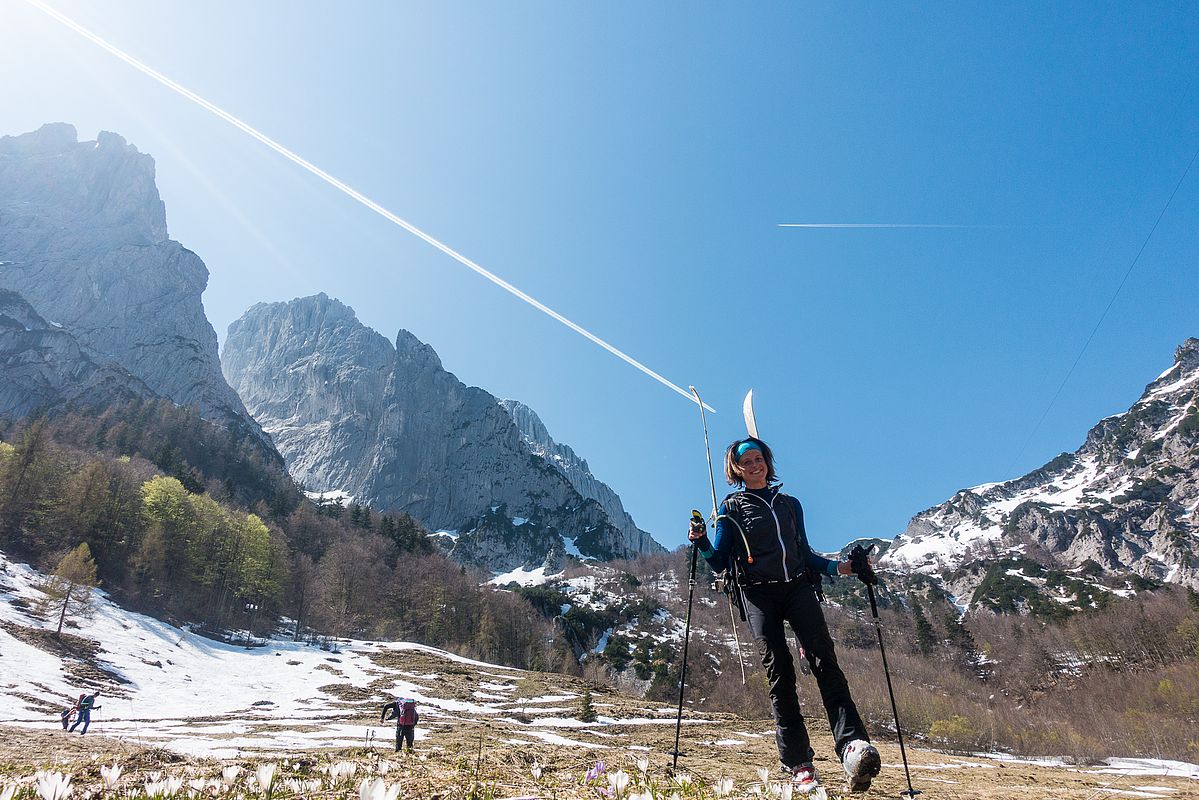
[(629, 166)]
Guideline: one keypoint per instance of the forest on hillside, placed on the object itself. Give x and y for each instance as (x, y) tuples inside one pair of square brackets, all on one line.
[(188, 522)]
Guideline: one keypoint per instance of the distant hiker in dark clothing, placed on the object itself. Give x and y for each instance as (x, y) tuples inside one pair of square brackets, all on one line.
[(87, 704), (70, 711), (760, 539), (406, 717)]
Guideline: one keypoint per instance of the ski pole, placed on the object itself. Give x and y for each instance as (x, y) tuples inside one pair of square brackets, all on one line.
[(862, 568), (712, 485), (678, 724)]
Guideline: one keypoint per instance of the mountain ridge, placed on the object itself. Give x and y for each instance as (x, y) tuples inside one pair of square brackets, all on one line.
[(387, 424), (1124, 503)]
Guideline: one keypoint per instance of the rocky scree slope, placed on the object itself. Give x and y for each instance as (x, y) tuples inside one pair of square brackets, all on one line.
[(1117, 514), (83, 239), (387, 424)]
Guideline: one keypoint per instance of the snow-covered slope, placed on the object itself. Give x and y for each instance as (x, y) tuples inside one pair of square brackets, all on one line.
[(1122, 504), (164, 685)]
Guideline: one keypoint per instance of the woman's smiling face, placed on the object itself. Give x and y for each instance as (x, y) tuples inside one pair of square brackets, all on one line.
[(753, 468)]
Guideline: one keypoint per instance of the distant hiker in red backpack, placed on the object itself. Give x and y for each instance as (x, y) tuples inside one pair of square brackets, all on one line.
[(406, 716)]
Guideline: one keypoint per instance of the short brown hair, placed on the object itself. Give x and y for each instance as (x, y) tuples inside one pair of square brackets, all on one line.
[(732, 472)]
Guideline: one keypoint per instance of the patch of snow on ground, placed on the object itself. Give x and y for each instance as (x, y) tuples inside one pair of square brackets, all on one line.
[(554, 738), (1148, 766), (330, 497), (520, 575)]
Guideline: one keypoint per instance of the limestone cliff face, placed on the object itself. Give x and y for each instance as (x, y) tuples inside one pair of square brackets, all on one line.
[(314, 376), (1124, 503), (83, 239), (388, 424), (43, 367)]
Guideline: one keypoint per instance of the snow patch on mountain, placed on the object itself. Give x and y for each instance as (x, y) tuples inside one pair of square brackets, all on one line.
[(1124, 501)]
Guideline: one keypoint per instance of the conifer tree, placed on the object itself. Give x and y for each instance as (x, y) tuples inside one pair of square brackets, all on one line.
[(586, 710), (926, 638)]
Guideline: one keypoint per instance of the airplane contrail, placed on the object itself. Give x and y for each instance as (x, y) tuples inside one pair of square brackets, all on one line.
[(876, 225), (361, 198)]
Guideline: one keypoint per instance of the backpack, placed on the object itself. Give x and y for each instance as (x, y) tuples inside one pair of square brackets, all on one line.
[(407, 712)]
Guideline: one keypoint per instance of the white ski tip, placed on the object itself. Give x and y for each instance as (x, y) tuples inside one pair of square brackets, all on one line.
[(747, 408)]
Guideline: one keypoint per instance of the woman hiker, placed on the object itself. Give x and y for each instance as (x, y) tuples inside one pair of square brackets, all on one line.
[(760, 536)]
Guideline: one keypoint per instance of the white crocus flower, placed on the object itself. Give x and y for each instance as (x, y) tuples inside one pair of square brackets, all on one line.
[(53, 785), (8, 791), (683, 781), (371, 790), (723, 787), (535, 770), (787, 789), (343, 769), (643, 765), (619, 781), (266, 776), (764, 776), (110, 776), (384, 767), (229, 774)]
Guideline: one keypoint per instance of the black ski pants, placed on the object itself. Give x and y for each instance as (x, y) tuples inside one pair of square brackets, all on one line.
[(767, 606), (405, 733)]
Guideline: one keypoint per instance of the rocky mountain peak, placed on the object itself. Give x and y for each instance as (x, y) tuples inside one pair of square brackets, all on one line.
[(104, 191), (562, 458), (83, 239), (391, 427), (1124, 505), (416, 353), (1186, 363)]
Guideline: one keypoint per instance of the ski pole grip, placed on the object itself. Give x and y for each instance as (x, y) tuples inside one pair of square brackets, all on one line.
[(860, 564)]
